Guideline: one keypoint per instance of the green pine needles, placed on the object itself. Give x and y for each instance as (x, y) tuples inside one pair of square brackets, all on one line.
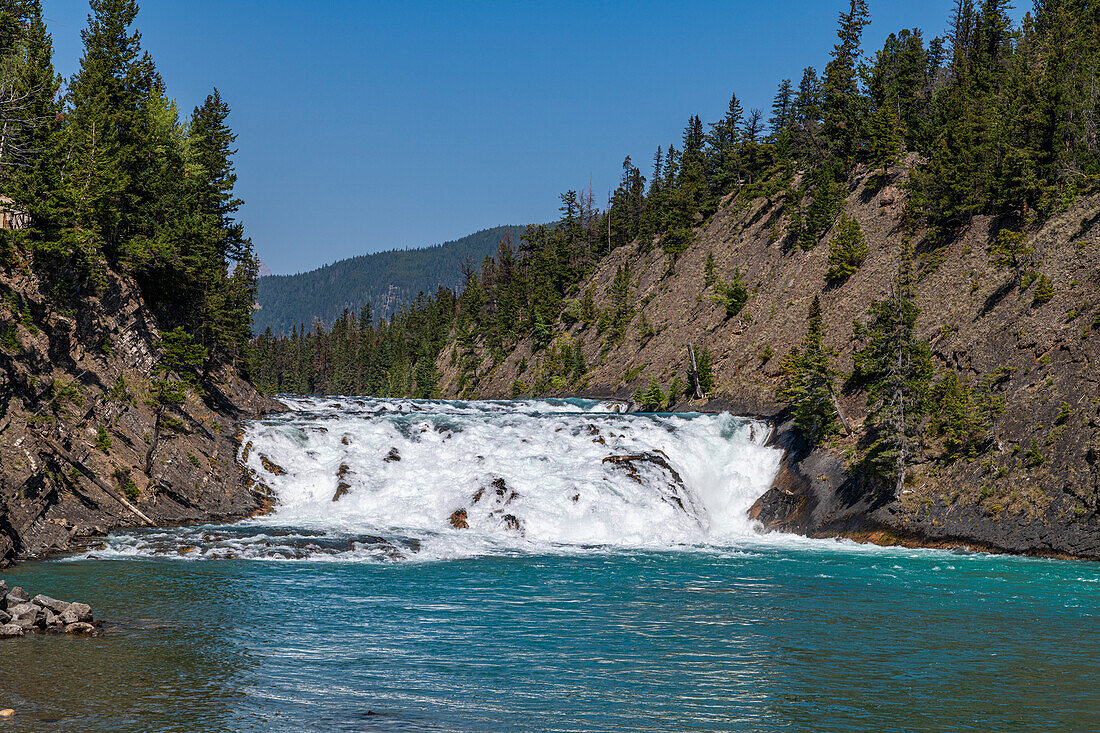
[(806, 383), (847, 250)]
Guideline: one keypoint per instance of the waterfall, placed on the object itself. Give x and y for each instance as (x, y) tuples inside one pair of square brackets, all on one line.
[(358, 478)]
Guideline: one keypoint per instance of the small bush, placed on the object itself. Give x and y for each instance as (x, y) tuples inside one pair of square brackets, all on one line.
[(10, 339), (1044, 291), (652, 398), (732, 295), (102, 439), (1033, 457)]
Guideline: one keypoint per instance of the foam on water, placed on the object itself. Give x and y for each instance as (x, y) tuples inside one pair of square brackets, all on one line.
[(531, 476)]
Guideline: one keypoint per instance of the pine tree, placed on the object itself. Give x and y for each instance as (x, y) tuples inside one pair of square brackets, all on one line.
[(847, 250), (782, 107), (895, 368), (108, 125), (885, 140), (844, 105), (806, 383)]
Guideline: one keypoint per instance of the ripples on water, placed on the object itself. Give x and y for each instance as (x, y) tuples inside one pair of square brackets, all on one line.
[(292, 624), (822, 638)]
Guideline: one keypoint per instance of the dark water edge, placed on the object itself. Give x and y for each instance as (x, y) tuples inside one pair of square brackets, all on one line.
[(804, 636)]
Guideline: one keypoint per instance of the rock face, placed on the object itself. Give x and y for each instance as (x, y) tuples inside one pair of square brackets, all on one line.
[(1034, 489), (74, 379), (42, 614)]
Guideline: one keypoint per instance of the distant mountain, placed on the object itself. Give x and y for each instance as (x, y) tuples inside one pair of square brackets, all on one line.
[(386, 280)]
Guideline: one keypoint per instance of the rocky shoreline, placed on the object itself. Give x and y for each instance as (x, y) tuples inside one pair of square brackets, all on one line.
[(26, 614)]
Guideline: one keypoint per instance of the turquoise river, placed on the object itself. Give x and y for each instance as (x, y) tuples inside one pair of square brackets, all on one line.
[(582, 594)]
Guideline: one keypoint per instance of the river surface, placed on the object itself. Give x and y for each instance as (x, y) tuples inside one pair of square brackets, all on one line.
[(585, 594)]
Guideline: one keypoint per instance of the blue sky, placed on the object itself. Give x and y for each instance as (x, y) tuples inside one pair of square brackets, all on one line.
[(375, 125)]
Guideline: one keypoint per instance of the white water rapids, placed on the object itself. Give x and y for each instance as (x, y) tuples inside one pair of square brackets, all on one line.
[(514, 476)]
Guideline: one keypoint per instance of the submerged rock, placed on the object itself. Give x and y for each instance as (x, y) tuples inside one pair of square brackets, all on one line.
[(80, 627), (392, 456)]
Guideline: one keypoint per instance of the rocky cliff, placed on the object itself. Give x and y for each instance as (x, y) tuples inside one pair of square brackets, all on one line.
[(76, 429), (1035, 490)]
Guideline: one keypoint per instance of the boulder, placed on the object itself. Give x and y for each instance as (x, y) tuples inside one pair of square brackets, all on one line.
[(393, 456), (3, 588), (5, 617), (51, 603), (80, 628), (27, 623), (76, 613), (458, 519), (341, 489), (24, 610), (17, 595), (8, 631), (49, 618)]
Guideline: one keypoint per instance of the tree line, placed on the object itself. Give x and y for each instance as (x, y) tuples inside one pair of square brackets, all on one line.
[(1003, 121), (107, 176)]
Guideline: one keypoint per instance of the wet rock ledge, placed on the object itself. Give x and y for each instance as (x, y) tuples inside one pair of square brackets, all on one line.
[(23, 614)]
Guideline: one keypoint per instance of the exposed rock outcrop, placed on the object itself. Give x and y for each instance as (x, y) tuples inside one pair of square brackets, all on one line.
[(75, 428)]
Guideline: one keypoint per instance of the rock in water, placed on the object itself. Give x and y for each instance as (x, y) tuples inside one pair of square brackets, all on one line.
[(76, 613), (3, 588), (392, 456), (458, 520), (17, 595), (5, 617), (10, 631), (51, 603), (6, 713), (271, 466), (24, 610), (80, 628)]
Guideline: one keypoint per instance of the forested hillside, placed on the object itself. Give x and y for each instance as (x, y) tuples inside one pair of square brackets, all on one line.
[(386, 281), (126, 290), (899, 261)]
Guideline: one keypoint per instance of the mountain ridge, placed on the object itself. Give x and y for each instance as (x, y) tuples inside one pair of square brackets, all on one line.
[(386, 280)]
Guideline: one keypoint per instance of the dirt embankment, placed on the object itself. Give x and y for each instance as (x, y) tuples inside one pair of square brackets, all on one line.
[(1036, 490), (75, 426)]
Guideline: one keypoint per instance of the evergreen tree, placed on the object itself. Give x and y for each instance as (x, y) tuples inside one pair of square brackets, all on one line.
[(895, 368), (847, 251), (806, 383), (885, 140), (782, 107), (844, 105), (108, 125)]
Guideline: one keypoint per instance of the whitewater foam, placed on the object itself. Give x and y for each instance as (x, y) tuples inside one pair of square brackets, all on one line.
[(515, 476)]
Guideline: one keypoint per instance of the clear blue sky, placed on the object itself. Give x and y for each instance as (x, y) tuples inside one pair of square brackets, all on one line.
[(373, 125)]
